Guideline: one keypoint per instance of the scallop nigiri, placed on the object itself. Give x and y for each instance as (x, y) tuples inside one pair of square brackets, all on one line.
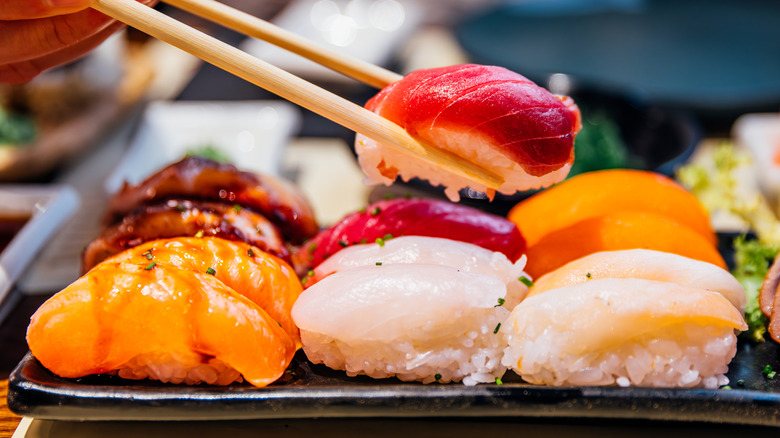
[(172, 325), (647, 265), (263, 278), (464, 256), (486, 114), (628, 332), (416, 322)]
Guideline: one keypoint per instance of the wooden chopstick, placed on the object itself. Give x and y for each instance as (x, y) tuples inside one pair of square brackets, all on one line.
[(255, 27), (290, 87)]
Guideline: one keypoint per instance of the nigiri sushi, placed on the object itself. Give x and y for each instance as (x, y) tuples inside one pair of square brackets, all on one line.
[(486, 114), (172, 325), (416, 322), (629, 332), (264, 279), (413, 217), (647, 265), (464, 256)]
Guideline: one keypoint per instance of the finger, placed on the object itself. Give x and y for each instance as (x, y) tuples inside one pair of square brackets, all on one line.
[(29, 9), (24, 71)]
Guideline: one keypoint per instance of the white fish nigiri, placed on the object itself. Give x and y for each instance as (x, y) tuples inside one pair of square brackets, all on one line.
[(625, 332), (416, 322), (464, 256), (647, 265)]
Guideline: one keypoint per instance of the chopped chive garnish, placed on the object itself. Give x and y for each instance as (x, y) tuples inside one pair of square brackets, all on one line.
[(588, 275), (343, 243), (408, 195), (526, 281), (380, 241), (304, 280), (250, 253), (437, 376), (150, 266), (379, 263), (236, 208), (727, 387), (363, 240), (771, 375), (148, 255), (741, 382), (387, 236), (199, 234), (498, 326), (498, 381), (375, 211), (180, 207), (310, 273), (312, 247), (211, 271), (501, 302), (389, 196), (767, 369)]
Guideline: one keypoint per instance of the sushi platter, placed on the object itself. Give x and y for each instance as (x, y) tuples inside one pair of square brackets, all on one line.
[(212, 292)]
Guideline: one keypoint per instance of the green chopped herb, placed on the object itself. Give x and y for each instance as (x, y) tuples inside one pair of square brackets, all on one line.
[(379, 263), (437, 376), (501, 302), (250, 253), (498, 326), (767, 369), (211, 271), (741, 382), (180, 207), (380, 241), (408, 195), (310, 273), (375, 211), (236, 208), (199, 234), (387, 236), (363, 240), (727, 387), (210, 152), (771, 375), (304, 280), (148, 255), (150, 266), (588, 275), (312, 247), (498, 381), (389, 196), (279, 323), (526, 281), (343, 243), (362, 210)]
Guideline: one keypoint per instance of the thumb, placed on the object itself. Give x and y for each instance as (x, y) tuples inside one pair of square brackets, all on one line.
[(29, 9)]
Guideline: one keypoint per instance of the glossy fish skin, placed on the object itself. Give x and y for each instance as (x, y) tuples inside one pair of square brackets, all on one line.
[(176, 218), (521, 120), (118, 311), (199, 178), (413, 217), (263, 278)]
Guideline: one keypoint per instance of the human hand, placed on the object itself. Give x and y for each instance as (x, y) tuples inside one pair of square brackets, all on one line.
[(36, 35)]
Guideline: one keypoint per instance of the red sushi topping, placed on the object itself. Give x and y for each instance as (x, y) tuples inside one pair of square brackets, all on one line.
[(413, 217), (518, 118)]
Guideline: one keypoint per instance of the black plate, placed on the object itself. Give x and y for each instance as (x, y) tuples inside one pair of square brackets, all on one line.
[(312, 391)]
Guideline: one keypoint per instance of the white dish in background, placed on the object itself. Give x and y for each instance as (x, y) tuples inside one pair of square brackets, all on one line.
[(48, 207), (370, 30), (760, 135), (251, 134)]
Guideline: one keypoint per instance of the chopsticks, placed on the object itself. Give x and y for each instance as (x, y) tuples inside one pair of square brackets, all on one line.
[(255, 27), (290, 87)]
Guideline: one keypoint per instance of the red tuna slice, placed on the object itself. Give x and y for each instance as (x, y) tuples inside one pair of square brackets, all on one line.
[(503, 109), (413, 217)]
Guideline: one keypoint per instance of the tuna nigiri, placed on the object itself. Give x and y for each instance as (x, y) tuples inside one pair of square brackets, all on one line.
[(433, 251), (170, 324), (413, 217), (264, 279), (625, 332), (486, 114)]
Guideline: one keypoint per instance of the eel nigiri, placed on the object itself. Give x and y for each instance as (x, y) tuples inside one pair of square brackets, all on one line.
[(647, 265), (464, 256), (178, 217), (486, 114), (264, 279), (410, 217), (199, 178), (629, 332), (172, 325), (417, 322)]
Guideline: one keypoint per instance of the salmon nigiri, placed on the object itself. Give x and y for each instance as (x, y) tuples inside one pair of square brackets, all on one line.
[(486, 114), (168, 324), (261, 277)]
